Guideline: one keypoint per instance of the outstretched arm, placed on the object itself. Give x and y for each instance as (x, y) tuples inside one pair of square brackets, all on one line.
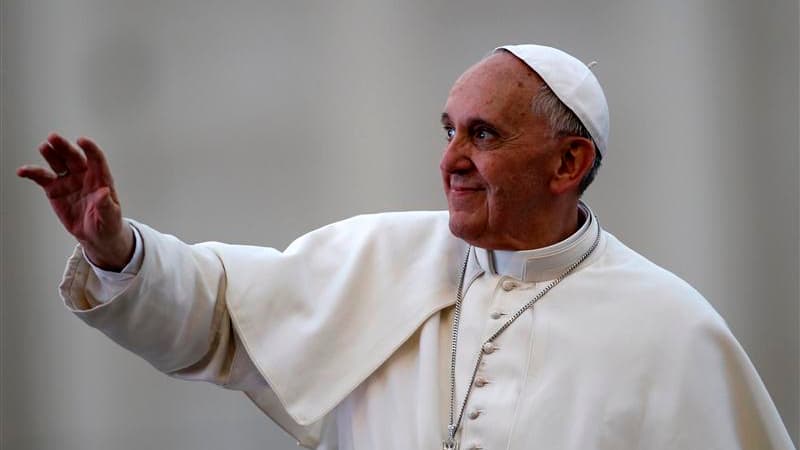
[(173, 311), (81, 191)]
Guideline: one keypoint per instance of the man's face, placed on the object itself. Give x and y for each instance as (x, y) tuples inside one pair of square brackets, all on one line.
[(499, 156)]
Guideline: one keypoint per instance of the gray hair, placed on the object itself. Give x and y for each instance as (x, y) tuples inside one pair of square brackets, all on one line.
[(564, 122)]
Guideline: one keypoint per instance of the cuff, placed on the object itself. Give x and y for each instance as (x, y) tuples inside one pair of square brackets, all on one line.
[(127, 272)]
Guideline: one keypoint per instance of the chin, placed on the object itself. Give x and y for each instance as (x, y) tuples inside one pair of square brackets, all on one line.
[(466, 227)]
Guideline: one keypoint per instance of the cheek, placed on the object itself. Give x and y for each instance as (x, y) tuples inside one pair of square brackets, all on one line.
[(516, 184), (489, 171), (503, 177)]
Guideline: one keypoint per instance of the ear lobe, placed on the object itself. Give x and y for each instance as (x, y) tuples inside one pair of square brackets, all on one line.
[(577, 158)]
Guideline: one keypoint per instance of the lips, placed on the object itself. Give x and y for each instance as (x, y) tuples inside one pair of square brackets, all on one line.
[(465, 189), (464, 192), (459, 184)]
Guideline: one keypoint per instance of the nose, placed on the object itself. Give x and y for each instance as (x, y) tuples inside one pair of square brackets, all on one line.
[(456, 157)]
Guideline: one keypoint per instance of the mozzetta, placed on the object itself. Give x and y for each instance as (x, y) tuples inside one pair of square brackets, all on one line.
[(344, 339)]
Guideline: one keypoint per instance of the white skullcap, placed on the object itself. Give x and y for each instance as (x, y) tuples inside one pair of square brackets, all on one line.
[(573, 83)]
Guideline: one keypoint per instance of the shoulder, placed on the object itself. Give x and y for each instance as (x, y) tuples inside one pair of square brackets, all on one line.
[(643, 310), (383, 227), (648, 289), (399, 220), (402, 236), (387, 225)]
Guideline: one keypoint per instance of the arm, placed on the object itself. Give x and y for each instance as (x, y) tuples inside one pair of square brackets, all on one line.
[(107, 284), (180, 326), (173, 313), (80, 188), (173, 310)]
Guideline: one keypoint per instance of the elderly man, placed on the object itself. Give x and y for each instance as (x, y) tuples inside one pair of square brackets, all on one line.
[(514, 321)]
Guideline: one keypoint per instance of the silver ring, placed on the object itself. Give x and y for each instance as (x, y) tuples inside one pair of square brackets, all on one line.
[(62, 174)]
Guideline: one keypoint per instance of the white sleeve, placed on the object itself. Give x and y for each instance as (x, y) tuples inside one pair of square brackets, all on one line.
[(107, 284), (180, 326), (172, 312)]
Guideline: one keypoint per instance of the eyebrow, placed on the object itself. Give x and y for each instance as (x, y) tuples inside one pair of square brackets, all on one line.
[(472, 122)]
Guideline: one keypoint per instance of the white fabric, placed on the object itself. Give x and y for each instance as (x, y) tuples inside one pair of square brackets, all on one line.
[(107, 284), (343, 339), (529, 265), (542, 263), (573, 83)]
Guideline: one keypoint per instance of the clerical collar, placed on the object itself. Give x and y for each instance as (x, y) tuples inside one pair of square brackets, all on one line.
[(544, 263)]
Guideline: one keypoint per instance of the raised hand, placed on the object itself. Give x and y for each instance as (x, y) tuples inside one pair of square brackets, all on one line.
[(81, 193)]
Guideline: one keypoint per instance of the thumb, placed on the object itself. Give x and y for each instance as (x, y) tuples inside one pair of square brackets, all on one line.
[(104, 199), (108, 214), (109, 242)]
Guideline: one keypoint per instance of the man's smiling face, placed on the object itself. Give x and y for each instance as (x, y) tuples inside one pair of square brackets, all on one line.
[(499, 158)]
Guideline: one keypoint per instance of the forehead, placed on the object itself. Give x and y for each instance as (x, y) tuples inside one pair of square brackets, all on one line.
[(498, 87)]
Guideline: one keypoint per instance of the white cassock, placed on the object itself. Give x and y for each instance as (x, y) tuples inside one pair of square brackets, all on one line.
[(344, 339)]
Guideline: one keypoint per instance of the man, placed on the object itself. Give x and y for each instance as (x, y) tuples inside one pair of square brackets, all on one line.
[(513, 321)]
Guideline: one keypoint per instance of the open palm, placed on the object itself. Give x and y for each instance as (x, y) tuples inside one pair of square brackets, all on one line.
[(81, 192)]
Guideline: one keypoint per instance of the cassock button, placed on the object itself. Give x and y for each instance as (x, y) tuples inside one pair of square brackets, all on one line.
[(508, 285), (474, 414), (496, 315), (488, 348), (481, 382)]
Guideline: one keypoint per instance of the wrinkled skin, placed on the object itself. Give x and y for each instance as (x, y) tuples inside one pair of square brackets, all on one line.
[(81, 191), (508, 180)]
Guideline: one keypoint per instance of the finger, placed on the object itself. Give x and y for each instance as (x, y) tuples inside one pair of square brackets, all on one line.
[(39, 175), (53, 185), (73, 158), (53, 158)]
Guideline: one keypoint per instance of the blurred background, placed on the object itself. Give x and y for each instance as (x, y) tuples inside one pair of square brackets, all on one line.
[(256, 121)]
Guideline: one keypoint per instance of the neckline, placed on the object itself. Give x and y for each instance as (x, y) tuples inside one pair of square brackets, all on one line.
[(544, 263)]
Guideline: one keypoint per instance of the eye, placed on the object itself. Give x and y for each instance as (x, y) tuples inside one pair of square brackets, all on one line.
[(450, 132), (484, 134)]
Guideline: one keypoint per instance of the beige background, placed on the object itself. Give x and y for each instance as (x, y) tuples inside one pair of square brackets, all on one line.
[(253, 122)]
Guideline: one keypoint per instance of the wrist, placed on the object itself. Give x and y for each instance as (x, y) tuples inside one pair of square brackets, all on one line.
[(112, 254)]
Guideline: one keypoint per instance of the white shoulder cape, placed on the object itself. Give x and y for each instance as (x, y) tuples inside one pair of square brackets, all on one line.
[(321, 317)]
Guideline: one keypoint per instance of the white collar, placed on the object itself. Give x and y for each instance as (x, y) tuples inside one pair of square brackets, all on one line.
[(544, 263)]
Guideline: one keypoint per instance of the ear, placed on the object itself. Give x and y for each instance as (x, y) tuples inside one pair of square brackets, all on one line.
[(577, 157)]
